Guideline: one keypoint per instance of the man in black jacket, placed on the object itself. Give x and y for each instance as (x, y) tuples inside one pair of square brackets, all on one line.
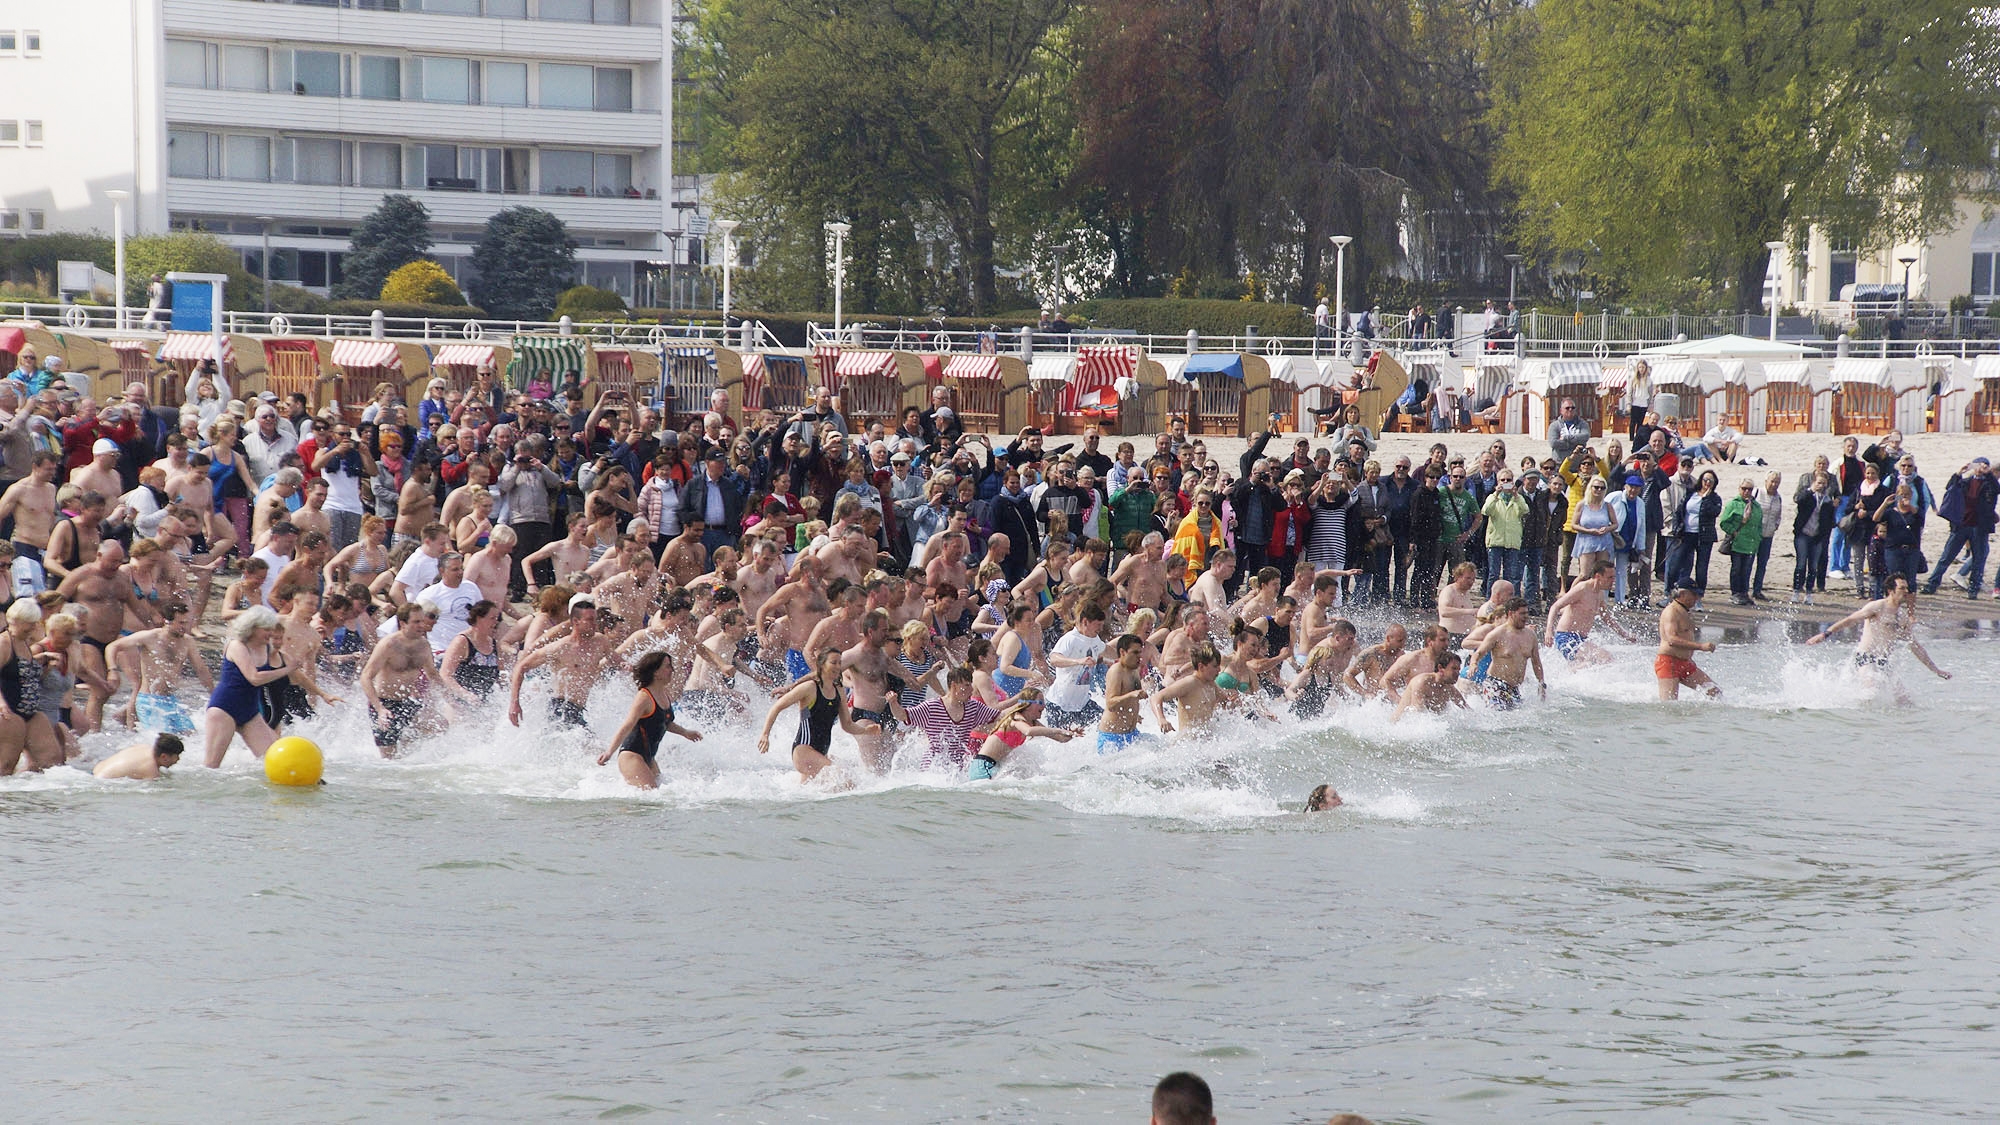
[(716, 500), (1968, 506), (1257, 502)]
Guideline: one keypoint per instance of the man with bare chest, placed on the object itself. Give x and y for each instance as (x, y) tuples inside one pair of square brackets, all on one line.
[(488, 568), (868, 670), (106, 593), (577, 662), (566, 556), (31, 503), (157, 659), (685, 558)]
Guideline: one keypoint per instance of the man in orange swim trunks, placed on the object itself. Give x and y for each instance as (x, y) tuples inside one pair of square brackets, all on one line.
[(1674, 665)]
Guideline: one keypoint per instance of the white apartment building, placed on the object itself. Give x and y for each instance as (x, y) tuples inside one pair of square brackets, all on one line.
[(291, 119), (1961, 261)]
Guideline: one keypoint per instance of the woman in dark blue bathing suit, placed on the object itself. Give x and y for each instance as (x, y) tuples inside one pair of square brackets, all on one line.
[(24, 726), (647, 721), (251, 660), (826, 706)]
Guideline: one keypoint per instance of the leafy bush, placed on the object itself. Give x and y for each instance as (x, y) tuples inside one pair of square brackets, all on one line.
[(587, 302), (188, 252), (422, 282)]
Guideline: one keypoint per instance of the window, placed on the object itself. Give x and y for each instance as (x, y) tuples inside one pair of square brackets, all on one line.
[(615, 276), (192, 64), (506, 83), (246, 68), (614, 88), (37, 221), (513, 171), (609, 174), (10, 132), (1982, 274), (575, 10), (8, 45), (611, 11), (246, 158), (566, 87), (192, 155), (565, 173), (382, 77), (31, 42), (10, 220), (448, 80), (452, 7), (318, 161), (507, 9), (379, 165), (34, 133), (311, 73)]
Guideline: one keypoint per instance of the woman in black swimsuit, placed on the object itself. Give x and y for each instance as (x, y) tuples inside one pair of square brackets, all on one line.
[(472, 659), (825, 706), (647, 721), (23, 725)]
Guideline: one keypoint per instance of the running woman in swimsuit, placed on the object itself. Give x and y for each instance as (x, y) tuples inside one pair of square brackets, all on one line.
[(636, 742), (249, 661), (1018, 722), (825, 707)]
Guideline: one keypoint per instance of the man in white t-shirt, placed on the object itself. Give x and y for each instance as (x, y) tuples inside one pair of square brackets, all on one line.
[(345, 464), (1075, 659), (420, 570), (452, 597), (277, 553)]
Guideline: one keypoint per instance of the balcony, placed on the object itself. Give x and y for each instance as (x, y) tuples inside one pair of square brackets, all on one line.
[(356, 27), (349, 205), (412, 120)]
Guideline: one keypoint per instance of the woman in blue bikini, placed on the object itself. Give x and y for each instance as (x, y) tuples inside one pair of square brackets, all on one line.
[(251, 660)]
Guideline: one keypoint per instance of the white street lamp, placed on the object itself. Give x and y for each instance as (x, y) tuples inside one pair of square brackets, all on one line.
[(728, 228), (1776, 249), (1513, 270), (1340, 242), (118, 198), (266, 221), (839, 233)]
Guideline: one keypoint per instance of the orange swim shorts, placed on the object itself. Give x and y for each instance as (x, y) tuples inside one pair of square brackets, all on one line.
[(1674, 668)]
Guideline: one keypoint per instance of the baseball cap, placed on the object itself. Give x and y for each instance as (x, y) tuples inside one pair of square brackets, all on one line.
[(581, 601), (1982, 461), (103, 446), (268, 396), (1635, 479), (717, 455), (899, 458), (947, 412)]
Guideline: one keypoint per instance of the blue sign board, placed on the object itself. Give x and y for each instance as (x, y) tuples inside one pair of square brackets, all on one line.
[(194, 307)]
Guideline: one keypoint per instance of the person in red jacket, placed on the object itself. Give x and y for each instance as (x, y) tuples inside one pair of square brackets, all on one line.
[(1291, 528), (83, 431)]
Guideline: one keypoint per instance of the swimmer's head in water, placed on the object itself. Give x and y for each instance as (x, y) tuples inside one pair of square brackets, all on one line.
[(1323, 798), (167, 746)]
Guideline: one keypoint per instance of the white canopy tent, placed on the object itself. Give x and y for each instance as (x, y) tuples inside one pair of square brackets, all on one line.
[(1730, 344)]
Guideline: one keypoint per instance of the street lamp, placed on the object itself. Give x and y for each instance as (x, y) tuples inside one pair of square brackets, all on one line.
[(1903, 307), (118, 198), (1340, 242), (1513, 269), (839, 233), (267, 220), (728, 228), (1056, 304), (1776, 248)]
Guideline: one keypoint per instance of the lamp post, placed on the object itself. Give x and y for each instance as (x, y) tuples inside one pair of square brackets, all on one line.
[(839, 233), (1513, 270), (118, 198), (728, 229), (1340, 242), (267, 220), (1903, 305), (1055, 305), (1776, 248)]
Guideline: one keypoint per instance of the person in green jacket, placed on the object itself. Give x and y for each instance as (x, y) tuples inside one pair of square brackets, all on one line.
[(1742, 528), (1132, 509), (1459, 510), (1505, 513)]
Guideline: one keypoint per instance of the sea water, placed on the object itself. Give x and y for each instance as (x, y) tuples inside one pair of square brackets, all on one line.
[(1779, 906)]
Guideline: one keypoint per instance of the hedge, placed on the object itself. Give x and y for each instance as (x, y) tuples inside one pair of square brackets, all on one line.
[(454, 313)]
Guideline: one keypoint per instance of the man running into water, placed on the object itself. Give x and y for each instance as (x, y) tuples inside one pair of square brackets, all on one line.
[(1123, 690), (1195, 693), (1674, 664), (1434, 690), (399, 672), (948, 723), (577, 660), (1885, 623), (159, 656), (1364, 676), (1581, 606), (1514, 650), (142, 761), (1428, 658)]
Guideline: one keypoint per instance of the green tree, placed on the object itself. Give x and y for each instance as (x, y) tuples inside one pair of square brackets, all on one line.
[(587, 302), (189, 252), (900, 116), (394, 234), (524, 261), (422, 282), (1673, 139)]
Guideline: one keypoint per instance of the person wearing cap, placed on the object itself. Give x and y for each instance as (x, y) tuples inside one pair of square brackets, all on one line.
[(267, 440), (1628, 533), (715, 499), (101, 475)]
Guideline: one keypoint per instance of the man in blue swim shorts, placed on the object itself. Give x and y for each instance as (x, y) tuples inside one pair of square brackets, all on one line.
[(1580, 607), (1123, 691)]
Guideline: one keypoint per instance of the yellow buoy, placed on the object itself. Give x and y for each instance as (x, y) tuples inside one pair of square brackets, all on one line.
[(294, 761)]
